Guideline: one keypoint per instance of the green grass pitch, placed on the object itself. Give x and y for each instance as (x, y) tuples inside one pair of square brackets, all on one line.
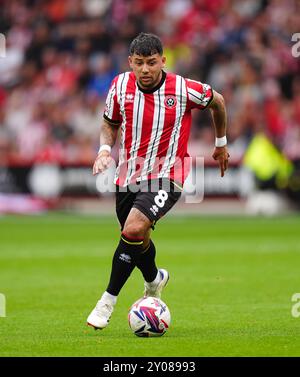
[(230, 290)]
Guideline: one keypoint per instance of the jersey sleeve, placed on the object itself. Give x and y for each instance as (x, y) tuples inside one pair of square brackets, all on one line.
[(112, 108), (199, 95)]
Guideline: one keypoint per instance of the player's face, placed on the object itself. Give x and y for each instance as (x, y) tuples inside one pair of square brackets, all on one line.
[(147, 69)]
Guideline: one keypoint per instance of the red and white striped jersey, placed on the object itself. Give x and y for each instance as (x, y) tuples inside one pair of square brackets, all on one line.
[(155, 125)]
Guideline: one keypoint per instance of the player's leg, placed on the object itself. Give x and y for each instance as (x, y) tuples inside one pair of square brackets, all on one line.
[(155, 279), (124, 261), (129, 250), (154, 203), (136, 223), (100, 315), (146, 262)]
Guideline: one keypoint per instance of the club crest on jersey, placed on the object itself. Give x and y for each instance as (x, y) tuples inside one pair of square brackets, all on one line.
[(129, 97), (170, 101)]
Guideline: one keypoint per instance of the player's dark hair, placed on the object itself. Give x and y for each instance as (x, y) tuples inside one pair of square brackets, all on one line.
[(146, 44)]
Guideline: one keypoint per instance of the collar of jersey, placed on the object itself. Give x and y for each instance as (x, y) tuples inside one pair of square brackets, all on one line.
[(163, 77)]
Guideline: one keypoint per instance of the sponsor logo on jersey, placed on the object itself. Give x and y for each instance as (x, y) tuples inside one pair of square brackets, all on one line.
[(129, 97)]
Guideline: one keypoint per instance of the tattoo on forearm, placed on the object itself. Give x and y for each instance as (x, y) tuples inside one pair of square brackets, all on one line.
[(108, 134)]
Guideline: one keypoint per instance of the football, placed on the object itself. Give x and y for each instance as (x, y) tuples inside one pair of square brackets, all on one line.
[(149, 317)]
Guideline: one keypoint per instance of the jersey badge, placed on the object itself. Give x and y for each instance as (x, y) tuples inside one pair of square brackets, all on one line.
[(170, 101)]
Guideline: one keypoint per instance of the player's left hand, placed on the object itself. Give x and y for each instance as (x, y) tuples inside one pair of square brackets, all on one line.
[(221, 155)]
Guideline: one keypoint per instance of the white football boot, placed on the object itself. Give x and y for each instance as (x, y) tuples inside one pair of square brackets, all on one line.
[(155, 289), (100, 316)]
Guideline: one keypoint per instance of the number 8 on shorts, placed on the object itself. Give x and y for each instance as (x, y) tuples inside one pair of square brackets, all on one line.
[(161, 198)]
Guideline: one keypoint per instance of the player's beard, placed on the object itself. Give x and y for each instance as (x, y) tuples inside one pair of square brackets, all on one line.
[(151, 83)]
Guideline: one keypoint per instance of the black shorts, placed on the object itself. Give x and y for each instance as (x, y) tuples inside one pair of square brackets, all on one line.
[(154, 198)]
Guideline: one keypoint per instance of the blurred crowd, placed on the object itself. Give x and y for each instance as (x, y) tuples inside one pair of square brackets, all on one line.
[(62, 55)]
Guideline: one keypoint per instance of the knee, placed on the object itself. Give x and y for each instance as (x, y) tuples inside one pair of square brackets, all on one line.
[(135, 230)]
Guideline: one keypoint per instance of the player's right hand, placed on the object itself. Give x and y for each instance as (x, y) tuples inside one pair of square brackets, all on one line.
[(102, 162)]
